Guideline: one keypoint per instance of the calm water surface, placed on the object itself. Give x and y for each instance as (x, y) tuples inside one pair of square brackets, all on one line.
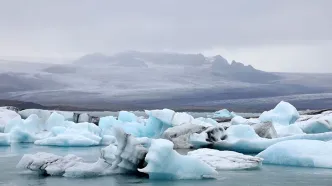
[(267, 175)]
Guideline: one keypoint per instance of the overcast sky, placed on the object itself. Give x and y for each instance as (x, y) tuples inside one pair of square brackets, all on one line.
[(272, 35)]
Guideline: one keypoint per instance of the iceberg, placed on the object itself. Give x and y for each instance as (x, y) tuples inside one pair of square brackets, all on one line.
[(5, 116), (237, 120), (284, 113), (75, 134), (129, 154), (45, 114), (158, 122), (226, 160), (224, 113), (127, 157), (165, 163), (68, 166), (317, 124), (302, 153), (243, 139)]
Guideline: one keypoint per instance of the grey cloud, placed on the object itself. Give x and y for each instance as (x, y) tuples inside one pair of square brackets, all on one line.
[(188, 25)]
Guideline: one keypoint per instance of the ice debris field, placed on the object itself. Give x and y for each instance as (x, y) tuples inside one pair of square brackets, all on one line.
[(147, 145)]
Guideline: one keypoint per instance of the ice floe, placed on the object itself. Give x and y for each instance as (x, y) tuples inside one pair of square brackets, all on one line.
[(303, 153)]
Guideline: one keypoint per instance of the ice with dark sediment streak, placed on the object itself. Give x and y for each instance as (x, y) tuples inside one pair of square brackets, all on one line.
[(226, 160), (243, 138), (127, 157)]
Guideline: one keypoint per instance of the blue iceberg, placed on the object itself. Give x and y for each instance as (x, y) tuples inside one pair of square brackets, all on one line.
[(302, 153)]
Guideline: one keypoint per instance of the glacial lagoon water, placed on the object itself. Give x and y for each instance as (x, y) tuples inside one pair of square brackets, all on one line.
[(268, 175)]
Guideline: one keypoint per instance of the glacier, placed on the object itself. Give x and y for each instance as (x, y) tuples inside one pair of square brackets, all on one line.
[(303, 153)]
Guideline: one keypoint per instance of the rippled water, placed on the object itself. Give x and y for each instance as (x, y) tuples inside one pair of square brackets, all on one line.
[(267, 175)]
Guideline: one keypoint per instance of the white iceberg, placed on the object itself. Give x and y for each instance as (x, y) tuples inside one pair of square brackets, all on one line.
[(238, 120), (226, 160), (5, 116), (45, 114), (224, 113), (243, 138), (124, 158), (75, 134), (316, 124), (68, 166), (303, 153), (46, 163), (284, 113), (165, 163)]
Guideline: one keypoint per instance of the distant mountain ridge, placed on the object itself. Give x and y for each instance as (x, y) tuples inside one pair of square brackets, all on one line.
[(149, 80)]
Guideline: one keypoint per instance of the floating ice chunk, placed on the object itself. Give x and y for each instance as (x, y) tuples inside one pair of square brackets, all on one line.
[(284, 113), (226, 160), (37, 162), (304, 153), (237, 120), (126, 116), (224, 113), (165, 115), (243, 138), (24, 130), (165, 163), (68, 166)]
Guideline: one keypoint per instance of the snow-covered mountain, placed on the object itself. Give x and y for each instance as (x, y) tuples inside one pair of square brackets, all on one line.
[(141, 79)]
